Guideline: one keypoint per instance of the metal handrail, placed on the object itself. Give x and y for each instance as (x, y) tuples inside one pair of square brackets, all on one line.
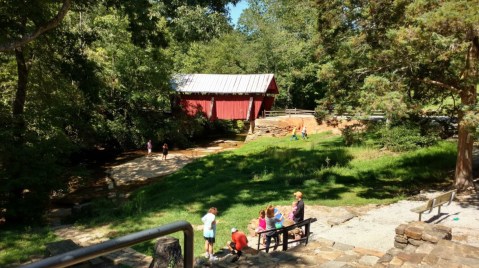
[(91, 252)]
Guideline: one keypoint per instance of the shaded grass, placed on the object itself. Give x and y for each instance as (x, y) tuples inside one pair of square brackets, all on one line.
[(17, 246), (268, 171)]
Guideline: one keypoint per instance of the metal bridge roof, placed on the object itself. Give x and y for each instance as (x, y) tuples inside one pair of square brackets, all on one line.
[(225, 83)]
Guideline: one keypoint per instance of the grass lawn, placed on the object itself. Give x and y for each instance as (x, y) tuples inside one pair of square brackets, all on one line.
[(268, 171)]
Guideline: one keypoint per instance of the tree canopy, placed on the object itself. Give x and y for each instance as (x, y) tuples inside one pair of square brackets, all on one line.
[(86, 74)]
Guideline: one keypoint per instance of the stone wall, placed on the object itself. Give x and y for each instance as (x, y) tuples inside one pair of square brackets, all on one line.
[(417, 233)]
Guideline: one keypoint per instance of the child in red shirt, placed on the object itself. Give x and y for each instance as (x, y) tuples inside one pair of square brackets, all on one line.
[(239, 241)]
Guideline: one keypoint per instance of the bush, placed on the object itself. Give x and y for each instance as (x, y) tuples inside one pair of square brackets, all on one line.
[(352, 134), (320, 114), (404, 138)]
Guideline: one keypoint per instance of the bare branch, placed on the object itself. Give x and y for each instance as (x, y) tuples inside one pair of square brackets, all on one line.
[(440, 84), (51, 24)]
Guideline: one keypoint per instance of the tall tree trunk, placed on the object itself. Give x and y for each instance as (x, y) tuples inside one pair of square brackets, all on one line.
[(465, 143), (463, 176), (20, 96), (15, 200)]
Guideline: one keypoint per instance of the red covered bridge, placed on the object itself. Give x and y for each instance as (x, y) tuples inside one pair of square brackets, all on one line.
[(226, 96)]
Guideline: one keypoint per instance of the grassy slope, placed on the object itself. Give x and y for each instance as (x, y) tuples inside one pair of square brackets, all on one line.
[(268, 171), (241, 182)]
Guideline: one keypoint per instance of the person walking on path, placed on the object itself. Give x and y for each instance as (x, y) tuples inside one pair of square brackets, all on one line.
[(165, 151), (298, 215), (209, 232), (293, 134), (237, 243), (149, 146), (304, 133)]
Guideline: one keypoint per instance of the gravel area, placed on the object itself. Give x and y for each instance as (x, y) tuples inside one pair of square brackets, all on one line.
[(375, 228)]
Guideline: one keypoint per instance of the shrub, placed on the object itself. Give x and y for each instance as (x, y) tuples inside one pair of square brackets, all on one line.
[(320, 114), (404, 138), (352, 134)]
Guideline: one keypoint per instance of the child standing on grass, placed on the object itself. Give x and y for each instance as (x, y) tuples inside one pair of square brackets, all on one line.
[(209, 232)]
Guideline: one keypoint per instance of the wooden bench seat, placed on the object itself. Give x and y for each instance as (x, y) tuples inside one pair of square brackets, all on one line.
[(437, 201), (284, 231)]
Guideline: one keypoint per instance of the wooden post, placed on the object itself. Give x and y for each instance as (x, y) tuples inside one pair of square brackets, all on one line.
[(250, 107), (211, 107), (251, 126), (167, 253)]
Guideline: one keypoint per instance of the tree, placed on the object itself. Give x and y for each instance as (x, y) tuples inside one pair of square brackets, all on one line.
[(60, 89), (272, 37), (445, 37), (414, 51)]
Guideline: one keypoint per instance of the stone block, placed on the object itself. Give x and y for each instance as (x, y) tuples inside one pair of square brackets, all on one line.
[(400, 229), (334, 264), (394, 251), (368, 260), (442, 228), (419, 224), (432, 237), (385, 258), (329, 255), (415, 242), (409, 265), (430, 259), (413, 232), (396, 262), (348, 258), (342, 246), (401, 239), (365, 251), (411, 257), (448, 264), (425, 248), (399, 245), (410, 248), (324, 242), (340, 219)]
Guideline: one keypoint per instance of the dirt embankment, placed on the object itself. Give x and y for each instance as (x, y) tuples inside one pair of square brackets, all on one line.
[(280, 126)]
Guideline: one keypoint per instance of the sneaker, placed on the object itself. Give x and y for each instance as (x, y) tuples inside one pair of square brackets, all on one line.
[(207, 255), (235, 259), (213, 258)]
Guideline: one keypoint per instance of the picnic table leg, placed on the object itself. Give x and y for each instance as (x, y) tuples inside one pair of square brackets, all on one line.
[(306, 227), (285, 240), (259, 239)]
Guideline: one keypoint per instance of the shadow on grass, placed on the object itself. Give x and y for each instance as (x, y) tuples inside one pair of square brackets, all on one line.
[(274, 173)]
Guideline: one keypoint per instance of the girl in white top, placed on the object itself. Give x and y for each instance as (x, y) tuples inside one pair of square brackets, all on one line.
[(209, 231)]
